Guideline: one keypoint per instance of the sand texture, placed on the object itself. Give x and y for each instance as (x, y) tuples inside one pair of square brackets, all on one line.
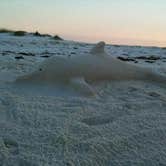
[(125, 124)]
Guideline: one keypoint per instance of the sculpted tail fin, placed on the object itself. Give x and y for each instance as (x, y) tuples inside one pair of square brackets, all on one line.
[(98, 49)]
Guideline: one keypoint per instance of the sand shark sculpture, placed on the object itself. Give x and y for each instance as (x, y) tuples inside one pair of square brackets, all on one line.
[(96, 65)]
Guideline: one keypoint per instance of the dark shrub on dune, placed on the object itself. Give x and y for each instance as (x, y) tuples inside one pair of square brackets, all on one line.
[(19, 33), (46, 35), (36, 33), (3, 30), (56, 37), (40, 35)]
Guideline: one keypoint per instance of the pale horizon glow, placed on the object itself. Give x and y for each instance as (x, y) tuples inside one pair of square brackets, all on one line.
[(128, 22)]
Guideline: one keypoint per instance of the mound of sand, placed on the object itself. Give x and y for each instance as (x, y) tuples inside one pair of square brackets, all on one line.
[(124, 125)]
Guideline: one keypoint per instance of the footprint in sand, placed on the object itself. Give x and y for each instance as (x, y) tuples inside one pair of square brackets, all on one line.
[(10, 108), (154, 94), (157, 95), (11, 145), (94, 121)]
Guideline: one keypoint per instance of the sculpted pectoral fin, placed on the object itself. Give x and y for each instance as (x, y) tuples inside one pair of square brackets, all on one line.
[(79, 84)]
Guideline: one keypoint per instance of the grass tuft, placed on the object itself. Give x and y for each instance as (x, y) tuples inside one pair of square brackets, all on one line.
[(56, 37), (3, 30), (19, 33)]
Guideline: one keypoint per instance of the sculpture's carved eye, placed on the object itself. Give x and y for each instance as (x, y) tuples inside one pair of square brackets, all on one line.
[(40, 69)]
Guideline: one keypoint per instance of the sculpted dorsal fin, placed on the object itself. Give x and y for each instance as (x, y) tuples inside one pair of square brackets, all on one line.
[(98, 49)]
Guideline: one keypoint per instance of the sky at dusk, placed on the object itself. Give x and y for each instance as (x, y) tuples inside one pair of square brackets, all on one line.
[(131, 22)]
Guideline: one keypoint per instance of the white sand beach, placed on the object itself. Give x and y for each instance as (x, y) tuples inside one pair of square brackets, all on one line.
[(125, 124)]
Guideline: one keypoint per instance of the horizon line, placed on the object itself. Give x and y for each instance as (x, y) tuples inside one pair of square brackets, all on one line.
[(69, 38)]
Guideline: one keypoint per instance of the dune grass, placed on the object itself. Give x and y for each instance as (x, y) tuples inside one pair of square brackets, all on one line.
[(19, 33), (56, 37), (40, 35), (23, 33), (3, 30)]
